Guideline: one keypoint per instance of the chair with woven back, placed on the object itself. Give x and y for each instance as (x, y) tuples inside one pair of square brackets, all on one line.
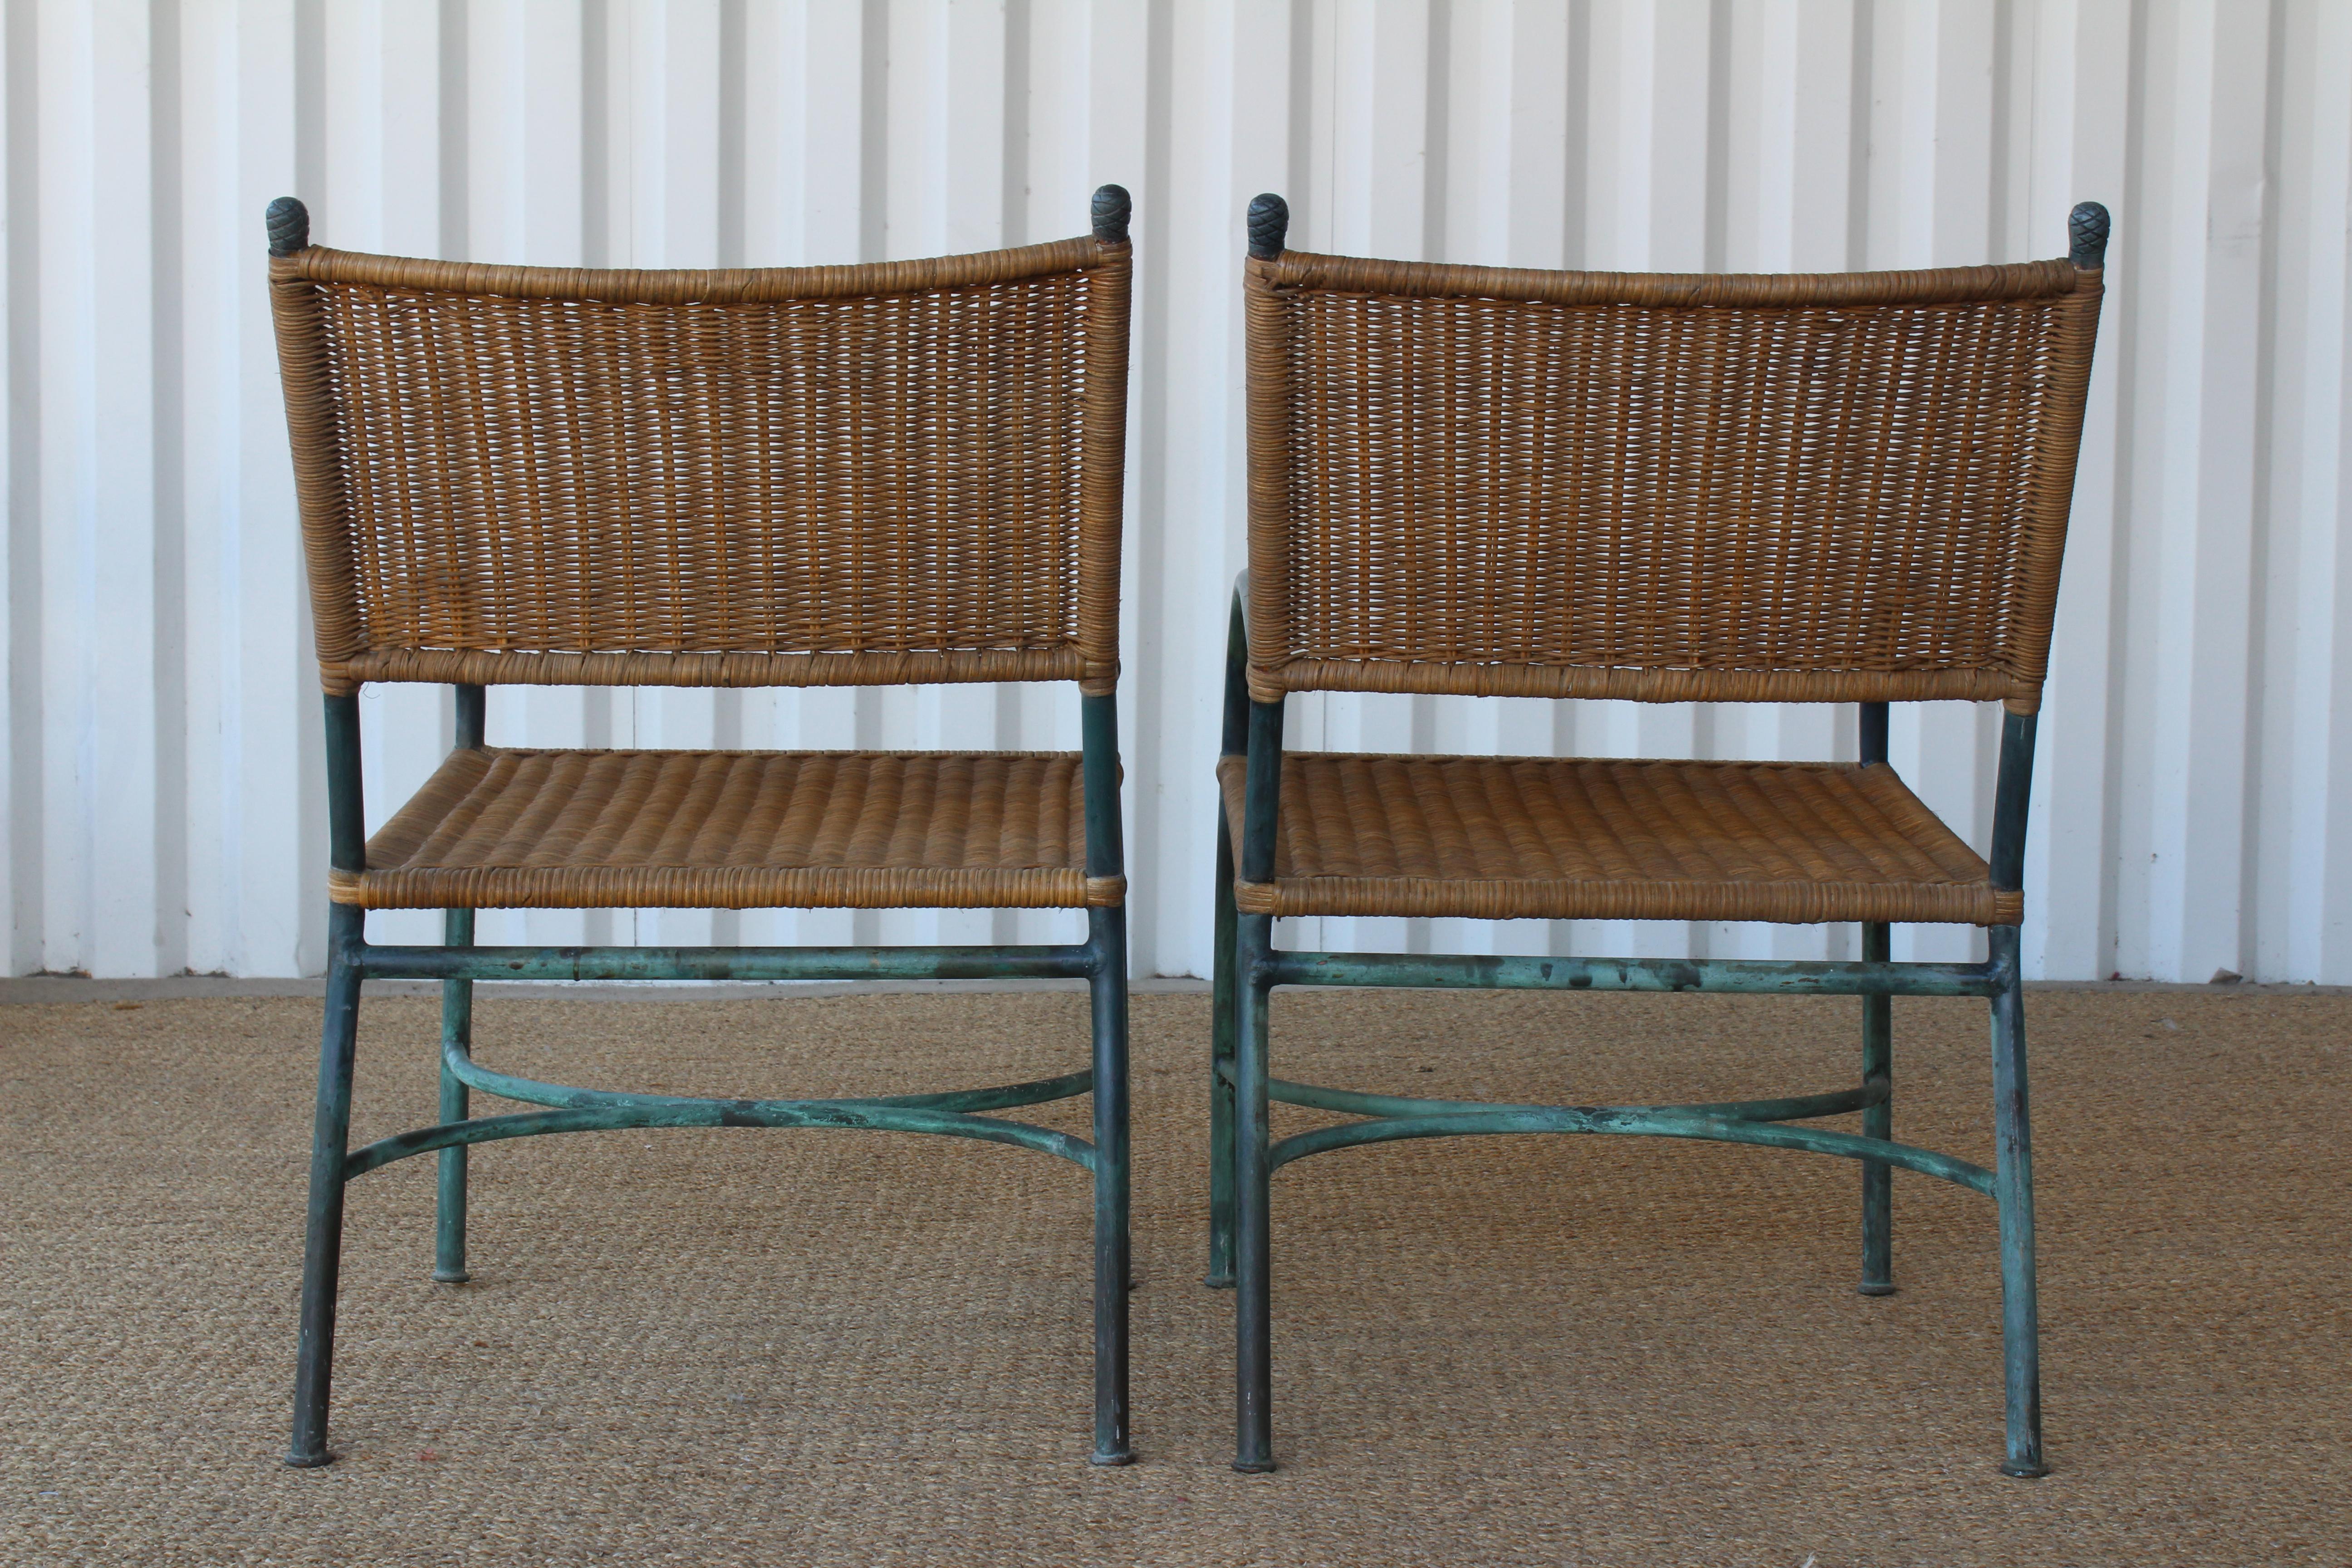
[(887, 474), (1485, 482)]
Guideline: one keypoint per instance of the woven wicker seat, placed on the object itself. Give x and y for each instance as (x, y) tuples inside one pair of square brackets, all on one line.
[(497, 828), (1548, 838), (899, 473), (1486, 482)]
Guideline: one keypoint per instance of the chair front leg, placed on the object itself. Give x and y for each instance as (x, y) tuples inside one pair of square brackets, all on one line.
[(2020, 1329), (1253, 955), (471, 705), (314, 1355), (1252, 1300), (1221, 1067), (1113, 1262), (457, 1029)]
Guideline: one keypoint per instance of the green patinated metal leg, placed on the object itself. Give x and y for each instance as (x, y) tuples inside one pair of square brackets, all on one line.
[(1106, 983), (1877, 1122), (1113, 1263), (471, 704), (1220, 1067), (2020, 1331), (457, 1031), (1253, 1300), (314, 1354)]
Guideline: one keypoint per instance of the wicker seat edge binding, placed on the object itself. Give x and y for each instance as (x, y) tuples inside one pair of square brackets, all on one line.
[(883, 474), (1502, 482)]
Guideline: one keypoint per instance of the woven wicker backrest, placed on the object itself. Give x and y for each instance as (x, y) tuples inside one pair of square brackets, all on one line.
[(907, 471), (1559, 484)]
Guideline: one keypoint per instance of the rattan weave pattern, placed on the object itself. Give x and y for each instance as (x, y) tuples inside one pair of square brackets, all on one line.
[(900, 472), (499, 828), (1814, 487), (1554, 838)]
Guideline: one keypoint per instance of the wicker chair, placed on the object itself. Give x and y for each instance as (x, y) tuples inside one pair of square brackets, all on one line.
[(1666, 489), (875, 475)]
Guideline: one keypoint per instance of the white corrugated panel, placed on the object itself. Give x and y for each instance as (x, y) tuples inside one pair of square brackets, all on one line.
[(163, 797)]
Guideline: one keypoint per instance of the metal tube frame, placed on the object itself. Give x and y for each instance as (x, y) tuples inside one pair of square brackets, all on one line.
[(1249, 966), (1877, 1067), (1100, 961)]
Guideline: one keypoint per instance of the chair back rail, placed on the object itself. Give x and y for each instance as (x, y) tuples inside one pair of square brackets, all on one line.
[(1814, 487), (904, 472)]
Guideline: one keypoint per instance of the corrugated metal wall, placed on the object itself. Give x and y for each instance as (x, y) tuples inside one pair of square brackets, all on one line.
[(162, 798)]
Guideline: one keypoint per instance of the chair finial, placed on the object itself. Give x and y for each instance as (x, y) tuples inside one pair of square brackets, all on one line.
[(1113, 206), (2086, 227), (1269, 226), (289, 226)]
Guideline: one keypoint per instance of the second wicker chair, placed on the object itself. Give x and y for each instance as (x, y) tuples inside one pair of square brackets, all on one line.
[(1666, 489)]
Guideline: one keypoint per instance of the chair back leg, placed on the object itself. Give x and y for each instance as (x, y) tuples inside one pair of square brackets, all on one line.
[(457, 1032), (1253, 1300), (2020, 1329), (331, 1136), (1877, 1122)]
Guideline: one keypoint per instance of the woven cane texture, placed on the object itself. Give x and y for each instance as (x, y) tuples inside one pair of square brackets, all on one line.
[(862, 475), (495, 828), (1553, 838), (1815, 487)]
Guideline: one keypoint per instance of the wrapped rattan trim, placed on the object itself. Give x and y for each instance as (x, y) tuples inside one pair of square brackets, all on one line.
[(1423, 280), (2053, 502), (1450, 804), (730, 670), (299, 322), (1265, 337), (1810, 903), (1102, 483), (1649, 685), (724, 888), (737, 286), (528, 828)]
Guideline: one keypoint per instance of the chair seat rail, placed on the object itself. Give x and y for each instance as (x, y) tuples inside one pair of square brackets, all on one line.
[(1506, 972), (716, 963)]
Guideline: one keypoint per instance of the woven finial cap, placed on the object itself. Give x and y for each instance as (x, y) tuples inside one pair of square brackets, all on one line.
[(289, 226), (1113, 206), (1269, 226), (2087, 228)]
